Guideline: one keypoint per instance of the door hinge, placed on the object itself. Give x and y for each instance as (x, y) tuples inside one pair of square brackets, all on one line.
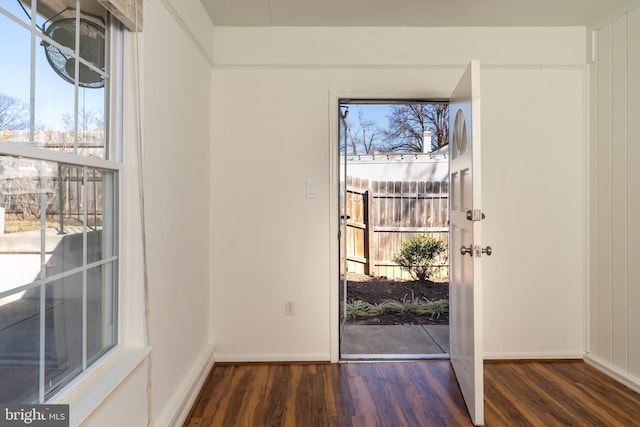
[(475, 215)]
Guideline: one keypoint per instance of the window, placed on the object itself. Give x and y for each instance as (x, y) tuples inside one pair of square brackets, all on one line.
[(59, 191)]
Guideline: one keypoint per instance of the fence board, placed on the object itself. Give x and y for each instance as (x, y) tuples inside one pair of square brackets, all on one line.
[(384, 214)]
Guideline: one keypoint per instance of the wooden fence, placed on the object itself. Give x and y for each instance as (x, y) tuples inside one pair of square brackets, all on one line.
[(383, 214)]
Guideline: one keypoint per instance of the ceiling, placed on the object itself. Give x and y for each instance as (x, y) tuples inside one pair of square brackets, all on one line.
[(406, 13)]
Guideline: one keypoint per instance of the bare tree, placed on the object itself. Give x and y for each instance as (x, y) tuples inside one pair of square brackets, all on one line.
[(367, 135), (362, 136), (87, 120), (14, 114), (90, 130), (409, 122), (351, 140)]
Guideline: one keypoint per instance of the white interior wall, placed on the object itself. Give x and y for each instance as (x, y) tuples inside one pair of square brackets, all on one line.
[(614, 276), (534, 178), (176, 105), (272, 89), (537, 70), (177, 140)]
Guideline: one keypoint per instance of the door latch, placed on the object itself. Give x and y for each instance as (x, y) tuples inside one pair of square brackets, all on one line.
[(475, 215), (480, 250)]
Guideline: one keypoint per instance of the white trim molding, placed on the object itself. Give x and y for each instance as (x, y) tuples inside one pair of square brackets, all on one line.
[(185, 397), (207, 54), (542, 355), (274, 357), (616, 373)]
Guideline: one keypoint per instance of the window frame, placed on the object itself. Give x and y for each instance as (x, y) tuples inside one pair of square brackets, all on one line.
[(87, 392), (117, 361)]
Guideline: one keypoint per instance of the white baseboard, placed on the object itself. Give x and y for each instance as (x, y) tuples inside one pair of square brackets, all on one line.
[(274, 357), (533, 356), (616, 373), (175, 414)]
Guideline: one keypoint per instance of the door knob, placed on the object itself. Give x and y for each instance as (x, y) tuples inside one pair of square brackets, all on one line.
[(487, 251), (466, 250)]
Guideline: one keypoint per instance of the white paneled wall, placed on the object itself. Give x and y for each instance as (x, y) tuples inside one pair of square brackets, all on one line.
[(614, 276)]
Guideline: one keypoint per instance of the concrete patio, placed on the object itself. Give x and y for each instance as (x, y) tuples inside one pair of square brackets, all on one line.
[(384, 342)]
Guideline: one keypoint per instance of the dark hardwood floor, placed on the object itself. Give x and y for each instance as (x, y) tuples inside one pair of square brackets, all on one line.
[(556, 394), (411, 393)]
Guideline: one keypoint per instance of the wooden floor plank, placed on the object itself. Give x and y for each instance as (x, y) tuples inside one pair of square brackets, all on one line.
[(580, 409), (618, 403), (410, 393), (556, 393)]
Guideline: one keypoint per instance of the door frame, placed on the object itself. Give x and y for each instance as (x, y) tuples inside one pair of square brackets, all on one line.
[(334, 190)]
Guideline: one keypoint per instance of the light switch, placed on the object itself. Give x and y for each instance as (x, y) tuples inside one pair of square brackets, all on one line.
[(311, 190)]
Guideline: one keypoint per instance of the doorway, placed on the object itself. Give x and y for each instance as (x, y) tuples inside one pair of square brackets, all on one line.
[(393, 246)]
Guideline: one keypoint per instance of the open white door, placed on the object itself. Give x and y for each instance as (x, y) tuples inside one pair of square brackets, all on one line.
[(465, 250)]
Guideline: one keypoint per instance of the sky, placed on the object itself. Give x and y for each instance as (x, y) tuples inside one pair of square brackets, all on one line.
[(54, 97), (374, 112)]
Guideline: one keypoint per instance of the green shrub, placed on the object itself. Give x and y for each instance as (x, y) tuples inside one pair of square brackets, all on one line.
[(393, 306), (418, 254), (438, 308), (434, 309), (359, 308)]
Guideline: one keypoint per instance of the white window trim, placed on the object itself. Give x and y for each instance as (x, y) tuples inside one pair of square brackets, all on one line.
[(85, 393), (17, 149), (88, 391)]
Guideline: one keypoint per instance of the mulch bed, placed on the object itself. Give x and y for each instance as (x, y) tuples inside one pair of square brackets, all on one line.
[(377, 289)]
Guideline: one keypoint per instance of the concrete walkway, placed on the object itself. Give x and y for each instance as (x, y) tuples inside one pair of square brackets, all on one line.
[(375, 342)]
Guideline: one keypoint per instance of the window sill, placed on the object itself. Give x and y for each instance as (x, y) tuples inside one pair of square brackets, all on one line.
[(87, 393)]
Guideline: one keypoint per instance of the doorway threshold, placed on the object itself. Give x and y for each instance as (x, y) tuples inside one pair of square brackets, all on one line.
[(346, 358)]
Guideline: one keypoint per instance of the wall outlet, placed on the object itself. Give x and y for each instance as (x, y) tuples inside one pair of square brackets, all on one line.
[(289, 307)]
